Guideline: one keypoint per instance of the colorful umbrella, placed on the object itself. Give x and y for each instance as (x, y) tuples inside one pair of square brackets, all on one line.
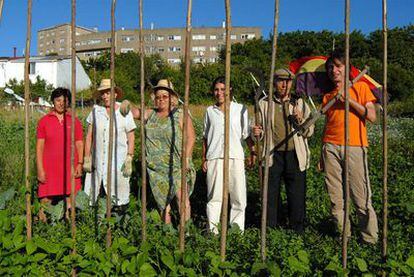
[(311, 77)]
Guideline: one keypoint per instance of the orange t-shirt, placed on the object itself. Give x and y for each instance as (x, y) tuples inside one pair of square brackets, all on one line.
[(335, 128)]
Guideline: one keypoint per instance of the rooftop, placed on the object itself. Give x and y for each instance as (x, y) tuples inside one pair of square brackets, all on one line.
[(64, 24)]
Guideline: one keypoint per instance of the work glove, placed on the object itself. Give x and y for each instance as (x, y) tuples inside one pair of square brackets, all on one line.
[(126, 168), (125, 107), (87, 164)]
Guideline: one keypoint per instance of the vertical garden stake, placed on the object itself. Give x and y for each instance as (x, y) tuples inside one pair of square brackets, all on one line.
[(28, 193), (268, 135), (72, 133), (111, 129), (346, 156), (1, 8), (143, 154), (184, 153), (384, 133), (225, 199)]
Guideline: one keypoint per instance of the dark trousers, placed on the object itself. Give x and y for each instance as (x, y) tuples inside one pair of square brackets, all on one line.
[(286, 166)]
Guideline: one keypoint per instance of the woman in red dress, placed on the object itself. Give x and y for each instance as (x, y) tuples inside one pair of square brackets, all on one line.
[(53, 152)]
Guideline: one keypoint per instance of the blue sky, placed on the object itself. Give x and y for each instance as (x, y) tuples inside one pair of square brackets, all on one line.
[(294, 15)]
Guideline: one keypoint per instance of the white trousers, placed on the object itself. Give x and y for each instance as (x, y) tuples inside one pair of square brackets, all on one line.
[(237, 191)]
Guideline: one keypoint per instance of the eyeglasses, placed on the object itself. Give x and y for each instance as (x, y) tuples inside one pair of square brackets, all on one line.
[(163, 97)]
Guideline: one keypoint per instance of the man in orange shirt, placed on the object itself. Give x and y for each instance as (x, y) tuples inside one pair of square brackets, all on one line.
[(361, 103)]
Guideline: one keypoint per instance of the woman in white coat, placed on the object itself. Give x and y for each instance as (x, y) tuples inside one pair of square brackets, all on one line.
[(96, 148)]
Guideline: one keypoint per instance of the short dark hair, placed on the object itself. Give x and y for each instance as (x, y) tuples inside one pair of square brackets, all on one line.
[(61, 92), (335, 55), (218, 80)]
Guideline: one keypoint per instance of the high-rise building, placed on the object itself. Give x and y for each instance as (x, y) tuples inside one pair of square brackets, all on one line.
[(168, 42)]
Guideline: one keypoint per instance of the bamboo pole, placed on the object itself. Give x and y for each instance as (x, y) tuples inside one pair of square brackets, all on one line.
[(26, 122), (1, 8), (346, 156), (111, 129), (143, 154), (184, 153), (72, 131), (268, 135), (225, 199), (384, 133)]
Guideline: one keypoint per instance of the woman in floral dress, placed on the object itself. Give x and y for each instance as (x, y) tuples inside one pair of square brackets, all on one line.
[(163, 142)]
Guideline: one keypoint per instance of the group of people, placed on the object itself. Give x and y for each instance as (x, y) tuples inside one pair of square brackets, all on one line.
[(289, 154)]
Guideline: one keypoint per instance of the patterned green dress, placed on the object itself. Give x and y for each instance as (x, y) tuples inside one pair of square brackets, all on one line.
[(163, 140)]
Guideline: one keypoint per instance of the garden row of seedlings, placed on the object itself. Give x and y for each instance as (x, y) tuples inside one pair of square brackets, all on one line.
[(263, 181)]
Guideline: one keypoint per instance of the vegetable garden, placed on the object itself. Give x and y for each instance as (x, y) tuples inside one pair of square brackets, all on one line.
[(317, 252)]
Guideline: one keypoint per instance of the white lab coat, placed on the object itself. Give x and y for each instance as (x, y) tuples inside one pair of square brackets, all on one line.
[(100, 140)]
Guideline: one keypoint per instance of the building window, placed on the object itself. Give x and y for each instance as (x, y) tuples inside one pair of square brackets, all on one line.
[(198, 48), (174, 61), (199, 60), (199, 37), (126, 50), (53, 42), (83, 42), (160, 50), (62, 40), (41, 45), (160, 38), (52, 34), (41, 53), (62, 31), (47, 51), (174, 49), (32, 68), (77, 43), (41, 36), (233, 37), (47, 43), (247, 36), (150, 49), (108, 39), (212, 60), (94, 41), (47, 34), (213, 48), (213, 37), (127, 38), (174, 37), (62, 49)]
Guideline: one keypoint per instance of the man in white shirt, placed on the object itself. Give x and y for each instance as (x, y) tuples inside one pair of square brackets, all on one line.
[(213, 157)]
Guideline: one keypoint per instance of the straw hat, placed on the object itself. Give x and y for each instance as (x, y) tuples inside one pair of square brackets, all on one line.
[(165, 84), (284, 73), (106, 85)]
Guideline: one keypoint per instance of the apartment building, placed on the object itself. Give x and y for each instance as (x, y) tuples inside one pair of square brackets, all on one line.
[(168, 42), (57, 39)]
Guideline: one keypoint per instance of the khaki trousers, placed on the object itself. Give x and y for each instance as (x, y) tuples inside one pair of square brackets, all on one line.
[(237, 191), (360, 190)]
